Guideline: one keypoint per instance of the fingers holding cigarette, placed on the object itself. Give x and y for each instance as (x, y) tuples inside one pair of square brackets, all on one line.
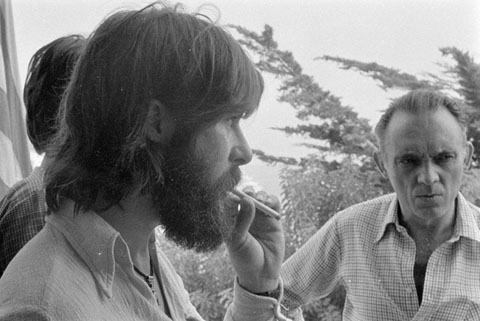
[(266, 210)]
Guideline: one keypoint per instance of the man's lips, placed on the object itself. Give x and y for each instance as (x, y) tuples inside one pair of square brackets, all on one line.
[(428, 195), (429, 198)]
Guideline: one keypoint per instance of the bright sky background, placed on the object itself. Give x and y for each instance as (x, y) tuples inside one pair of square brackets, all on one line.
[(403, 34)]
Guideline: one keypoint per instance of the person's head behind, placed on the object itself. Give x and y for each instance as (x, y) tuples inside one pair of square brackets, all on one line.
[(48, 74), (423, 152), (185, 62)]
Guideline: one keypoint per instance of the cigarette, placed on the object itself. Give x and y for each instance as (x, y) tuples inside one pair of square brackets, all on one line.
[(258, 205)]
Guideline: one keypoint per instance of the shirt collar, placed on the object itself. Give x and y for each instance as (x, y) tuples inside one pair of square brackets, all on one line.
[(391, 217), (94, 240), (466, 224)]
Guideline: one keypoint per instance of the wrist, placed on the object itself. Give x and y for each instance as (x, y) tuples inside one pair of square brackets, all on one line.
[(272, 294), (265, 288)]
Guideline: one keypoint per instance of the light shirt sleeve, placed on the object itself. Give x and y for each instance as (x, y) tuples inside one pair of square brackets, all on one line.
[(314, 270)]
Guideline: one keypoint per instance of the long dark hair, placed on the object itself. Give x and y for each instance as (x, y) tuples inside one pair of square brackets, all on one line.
[(187, 62), (48, 74)]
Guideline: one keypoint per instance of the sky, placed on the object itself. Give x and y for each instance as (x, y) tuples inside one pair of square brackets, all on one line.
[(402, 34)]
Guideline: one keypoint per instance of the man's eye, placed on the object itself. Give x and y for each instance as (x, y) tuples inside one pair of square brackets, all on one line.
[(233, 120), (442, 158), (408, 161)]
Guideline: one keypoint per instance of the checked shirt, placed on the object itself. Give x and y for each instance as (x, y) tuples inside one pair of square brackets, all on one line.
[(22, 213), (365, 249)]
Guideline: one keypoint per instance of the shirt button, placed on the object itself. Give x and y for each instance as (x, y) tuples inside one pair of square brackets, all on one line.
[(409, 290)]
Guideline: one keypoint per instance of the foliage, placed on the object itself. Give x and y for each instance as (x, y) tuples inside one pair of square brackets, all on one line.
[(322, 310), (471, 186), (389, 78), (208, 277), (467, 73)]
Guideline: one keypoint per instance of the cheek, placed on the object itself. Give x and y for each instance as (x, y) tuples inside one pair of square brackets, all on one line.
[(457, 173), (211, 147), (401, 179)]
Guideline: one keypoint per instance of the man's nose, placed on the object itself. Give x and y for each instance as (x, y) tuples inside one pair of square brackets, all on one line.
[(241, 152), (428, 174)]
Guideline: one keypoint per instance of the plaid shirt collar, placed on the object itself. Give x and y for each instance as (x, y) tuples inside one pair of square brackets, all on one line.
[(467, 220)]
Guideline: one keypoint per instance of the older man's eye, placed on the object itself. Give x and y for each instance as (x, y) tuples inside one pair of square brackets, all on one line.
[(408, 161), (442, 158)]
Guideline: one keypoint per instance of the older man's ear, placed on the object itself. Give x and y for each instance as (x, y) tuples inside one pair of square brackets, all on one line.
[(377, 157), (469, 156)]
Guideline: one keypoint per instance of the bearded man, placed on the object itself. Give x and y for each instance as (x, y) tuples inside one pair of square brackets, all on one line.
[(149, 136)]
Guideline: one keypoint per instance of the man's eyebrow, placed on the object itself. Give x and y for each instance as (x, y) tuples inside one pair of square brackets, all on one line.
[(409, 152)]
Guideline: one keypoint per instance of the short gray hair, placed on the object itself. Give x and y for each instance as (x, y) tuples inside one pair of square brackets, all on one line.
[(416, 102)]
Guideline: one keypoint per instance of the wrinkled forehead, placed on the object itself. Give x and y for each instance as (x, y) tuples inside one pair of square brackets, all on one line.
[(429, 130)]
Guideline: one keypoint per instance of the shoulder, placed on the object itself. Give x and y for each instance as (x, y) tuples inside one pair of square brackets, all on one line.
[(367, 211), (26, 195), (360, 221), (364, 221), (34, 181), (40, 274), (474, 209), (469, 208)]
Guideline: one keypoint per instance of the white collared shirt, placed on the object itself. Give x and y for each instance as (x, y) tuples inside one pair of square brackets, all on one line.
[(79, 268)]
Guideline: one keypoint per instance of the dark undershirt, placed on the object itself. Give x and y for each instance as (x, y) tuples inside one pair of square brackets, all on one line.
[(419, 271)]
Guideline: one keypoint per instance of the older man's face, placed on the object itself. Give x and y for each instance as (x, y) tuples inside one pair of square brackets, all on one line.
[(424, 157)]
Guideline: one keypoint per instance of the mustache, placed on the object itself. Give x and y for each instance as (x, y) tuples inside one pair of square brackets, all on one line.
[(227, 182)]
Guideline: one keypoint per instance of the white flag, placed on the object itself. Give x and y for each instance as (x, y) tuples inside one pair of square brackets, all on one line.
[(14, 155)]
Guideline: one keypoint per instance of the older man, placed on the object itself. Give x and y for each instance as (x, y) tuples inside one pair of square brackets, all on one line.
[(410, 255)]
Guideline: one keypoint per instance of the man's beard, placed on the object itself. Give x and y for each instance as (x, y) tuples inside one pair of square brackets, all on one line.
[(194, 212)]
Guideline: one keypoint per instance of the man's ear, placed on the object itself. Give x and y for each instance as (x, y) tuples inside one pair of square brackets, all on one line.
[(468, 156), (380, 166), (160, 124)]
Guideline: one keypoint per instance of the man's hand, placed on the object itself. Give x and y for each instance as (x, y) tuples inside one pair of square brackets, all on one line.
[(257, 244)]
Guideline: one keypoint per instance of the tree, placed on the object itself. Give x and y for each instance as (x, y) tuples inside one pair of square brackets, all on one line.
[(337, 127)]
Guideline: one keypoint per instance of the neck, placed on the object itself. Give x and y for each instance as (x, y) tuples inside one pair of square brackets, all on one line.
[(135, 219), (437, 229)]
